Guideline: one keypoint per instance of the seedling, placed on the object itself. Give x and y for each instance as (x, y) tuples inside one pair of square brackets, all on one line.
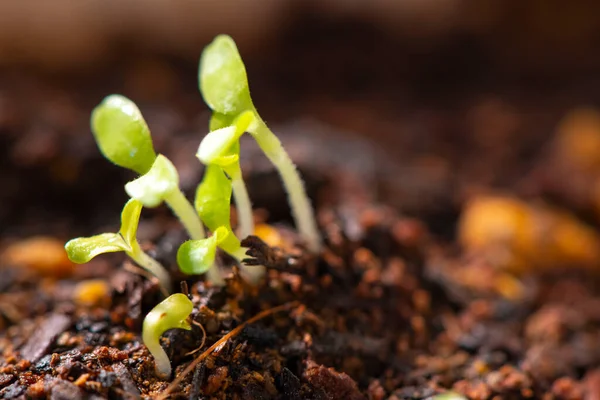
[(124, 138), (224, 86), (221, 148), (83, 249), (170, 313)]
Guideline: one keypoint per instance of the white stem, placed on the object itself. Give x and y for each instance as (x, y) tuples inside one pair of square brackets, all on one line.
[(242, 204), (186, 213), (213, 275), (161, 360), (301, 208), (151, 265)]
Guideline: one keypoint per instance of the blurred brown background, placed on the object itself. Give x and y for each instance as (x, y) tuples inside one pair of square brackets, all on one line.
[(452, 91)]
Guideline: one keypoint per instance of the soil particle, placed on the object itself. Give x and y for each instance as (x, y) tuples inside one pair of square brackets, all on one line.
[(64, 390), (127, 383), (38, 344), (330, 383)]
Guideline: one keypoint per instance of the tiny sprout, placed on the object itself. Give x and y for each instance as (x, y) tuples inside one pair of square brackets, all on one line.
[(224, 86), (122, 134), (161, 183), (83, 249), (171, 313), (212, 203), (221, 148), (198, 256)]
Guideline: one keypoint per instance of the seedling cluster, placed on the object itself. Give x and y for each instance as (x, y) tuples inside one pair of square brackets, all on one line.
[(124, 138)]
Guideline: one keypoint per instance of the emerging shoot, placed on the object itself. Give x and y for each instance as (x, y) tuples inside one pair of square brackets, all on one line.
[(221, 148), (83, 249), (224, 86), (171, 313)]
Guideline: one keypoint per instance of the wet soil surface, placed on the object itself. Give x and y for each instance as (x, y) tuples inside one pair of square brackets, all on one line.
[(402, 303)]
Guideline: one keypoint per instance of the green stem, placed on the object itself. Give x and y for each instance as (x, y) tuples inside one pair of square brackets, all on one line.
[(150, 264), (242, 203), (301, 208), (186, 213)]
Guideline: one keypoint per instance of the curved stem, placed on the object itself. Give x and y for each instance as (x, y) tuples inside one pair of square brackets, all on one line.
[(302, 210), (161, 359), (186, 213), (242, 203), (150, 264)]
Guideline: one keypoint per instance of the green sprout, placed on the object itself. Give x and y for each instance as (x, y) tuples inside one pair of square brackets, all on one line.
[(221, 147), (198, 256), (220, 152), (124, 138), (224, 86), (170, 313), (83, 249)]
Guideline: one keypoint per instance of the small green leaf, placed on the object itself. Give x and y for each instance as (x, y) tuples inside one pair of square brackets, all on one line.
[(83, 249), (198, 256), (170, 313), (122, 134), (213, 198), (152, 188), (223, 79), (130, 218), (213, 205), (221, 146)]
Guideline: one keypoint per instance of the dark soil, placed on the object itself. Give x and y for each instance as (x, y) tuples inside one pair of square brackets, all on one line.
[(394, 307)]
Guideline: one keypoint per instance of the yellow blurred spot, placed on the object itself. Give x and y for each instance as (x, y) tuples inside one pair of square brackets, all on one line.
[(509, 287), (93, 292), (518, 236), (268, 234), (46, 255)]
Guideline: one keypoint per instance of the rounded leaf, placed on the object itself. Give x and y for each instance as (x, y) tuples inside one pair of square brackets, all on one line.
[(153, 187), (170, 313), (223, 79), (83, 249), (198, 256), (122, 134)]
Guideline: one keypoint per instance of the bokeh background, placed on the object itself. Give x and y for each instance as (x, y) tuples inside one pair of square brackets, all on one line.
[(450, 94)]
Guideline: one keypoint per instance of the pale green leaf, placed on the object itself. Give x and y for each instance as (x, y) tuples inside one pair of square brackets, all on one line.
[(130, 218), (122, 134), (218, 146), (213, 198), (152, 188), (198, 256), (223, 79), (83, 249)]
